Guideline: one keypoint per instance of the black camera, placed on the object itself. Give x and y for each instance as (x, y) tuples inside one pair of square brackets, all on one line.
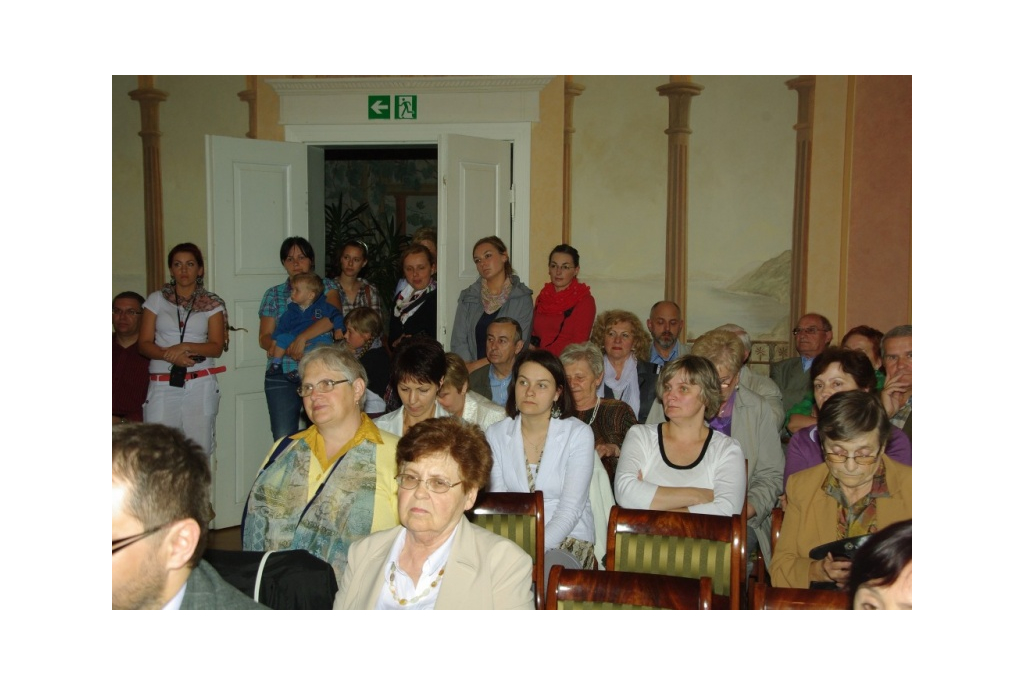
[(177, 379)]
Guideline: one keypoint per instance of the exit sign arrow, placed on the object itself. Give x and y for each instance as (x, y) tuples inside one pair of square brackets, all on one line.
[(379, 106)]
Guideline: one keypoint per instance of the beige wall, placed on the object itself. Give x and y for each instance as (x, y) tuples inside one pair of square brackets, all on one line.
[(620, 162), (195, 107), (860, 236)]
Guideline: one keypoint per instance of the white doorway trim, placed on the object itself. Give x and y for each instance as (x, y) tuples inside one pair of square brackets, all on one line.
[(334, 111)]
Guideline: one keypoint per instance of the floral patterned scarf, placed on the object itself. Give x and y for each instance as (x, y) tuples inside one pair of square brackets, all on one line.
[(202, 300)]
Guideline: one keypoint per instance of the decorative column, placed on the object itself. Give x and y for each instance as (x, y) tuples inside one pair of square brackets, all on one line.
[(248, 96), (149, 99), (680, 91), (571, 91), (804, 87)]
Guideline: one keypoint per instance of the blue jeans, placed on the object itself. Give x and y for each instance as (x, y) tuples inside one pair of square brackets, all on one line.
[(284, 404)]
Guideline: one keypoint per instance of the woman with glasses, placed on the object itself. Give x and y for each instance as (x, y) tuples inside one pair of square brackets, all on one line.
[(332, 484), (436, 559), (565, 309), (838, 370), (417, 374), (627, 375), (746, 416), (858, 490)]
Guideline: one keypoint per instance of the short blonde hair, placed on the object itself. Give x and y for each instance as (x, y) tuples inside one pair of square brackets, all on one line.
[(721, 347), (365, 320), (308, 280), (457, 373), (641, 338)]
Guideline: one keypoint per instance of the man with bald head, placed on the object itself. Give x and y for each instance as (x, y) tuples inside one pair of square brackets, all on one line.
[(812, 334), (665, 323)]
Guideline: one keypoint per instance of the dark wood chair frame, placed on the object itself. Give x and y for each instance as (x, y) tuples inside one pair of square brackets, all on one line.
[(518, 504), (625, 587), (764, 596), (730, 529)]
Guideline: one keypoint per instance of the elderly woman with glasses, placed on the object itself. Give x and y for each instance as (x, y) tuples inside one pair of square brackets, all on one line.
[(858, 490), (436, 559), (328, 486)]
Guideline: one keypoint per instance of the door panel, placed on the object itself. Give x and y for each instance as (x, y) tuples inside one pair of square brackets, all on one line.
[(475, 201), (256, 197)]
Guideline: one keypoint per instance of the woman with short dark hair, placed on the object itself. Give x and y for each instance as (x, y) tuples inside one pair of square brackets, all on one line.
[(417, 373)]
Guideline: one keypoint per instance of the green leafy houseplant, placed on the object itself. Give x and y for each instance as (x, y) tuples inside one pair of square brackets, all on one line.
[(384, 240)]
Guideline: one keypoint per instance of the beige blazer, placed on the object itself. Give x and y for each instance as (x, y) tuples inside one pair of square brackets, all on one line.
[(485, 571), (811, 519)]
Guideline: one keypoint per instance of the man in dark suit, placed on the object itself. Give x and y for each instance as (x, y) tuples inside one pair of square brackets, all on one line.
[(161, 512), (813, 333)]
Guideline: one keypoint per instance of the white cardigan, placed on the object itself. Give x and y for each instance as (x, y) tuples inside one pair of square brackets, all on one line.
[(564, 475)]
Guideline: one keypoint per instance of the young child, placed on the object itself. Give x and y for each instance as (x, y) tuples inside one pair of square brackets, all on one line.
[(308, 306), (364, 330)]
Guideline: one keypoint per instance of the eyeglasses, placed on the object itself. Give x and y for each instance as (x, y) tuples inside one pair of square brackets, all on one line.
[(116, 545), (326, 385), (561, 267), (810, 330), (727, 383), (862, 459), (126, 312), (439, 486)]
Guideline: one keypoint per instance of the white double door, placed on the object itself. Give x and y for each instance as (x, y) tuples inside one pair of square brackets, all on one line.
[(261, 192)]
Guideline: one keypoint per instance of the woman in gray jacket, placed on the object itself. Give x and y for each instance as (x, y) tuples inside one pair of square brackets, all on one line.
[(498, 292)]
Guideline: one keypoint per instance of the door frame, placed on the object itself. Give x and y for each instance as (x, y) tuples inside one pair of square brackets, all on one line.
[(385, 134)]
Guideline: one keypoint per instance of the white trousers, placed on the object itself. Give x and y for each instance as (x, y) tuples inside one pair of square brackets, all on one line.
[(192, 409)]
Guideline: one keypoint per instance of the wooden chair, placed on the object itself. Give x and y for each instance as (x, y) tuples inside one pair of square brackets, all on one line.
[(760, 571), (518, 516), (767, 597), (679, 544), (582, 589)]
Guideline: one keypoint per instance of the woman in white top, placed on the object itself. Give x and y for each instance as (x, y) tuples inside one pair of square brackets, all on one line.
[(184, 329), (535, 450), (682, 464), (417, 372)]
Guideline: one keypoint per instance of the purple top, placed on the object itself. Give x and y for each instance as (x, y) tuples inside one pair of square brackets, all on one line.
[(804, 452)]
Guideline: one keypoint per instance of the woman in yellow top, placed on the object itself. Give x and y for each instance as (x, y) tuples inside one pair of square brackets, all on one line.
[(328, 486)]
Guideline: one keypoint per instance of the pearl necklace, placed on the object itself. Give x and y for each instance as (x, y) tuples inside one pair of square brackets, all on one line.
[(394, 590)]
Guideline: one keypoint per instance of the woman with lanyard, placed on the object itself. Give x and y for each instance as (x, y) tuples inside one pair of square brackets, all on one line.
[(184, 328)]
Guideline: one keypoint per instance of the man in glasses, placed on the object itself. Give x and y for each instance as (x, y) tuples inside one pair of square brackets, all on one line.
[(131, 369), (812, 335), (161, 512)]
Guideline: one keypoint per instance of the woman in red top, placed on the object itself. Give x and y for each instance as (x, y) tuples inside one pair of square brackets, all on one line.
[(565, 309)]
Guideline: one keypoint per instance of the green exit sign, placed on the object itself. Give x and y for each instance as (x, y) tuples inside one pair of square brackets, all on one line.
[(379, 106), (382, 107)]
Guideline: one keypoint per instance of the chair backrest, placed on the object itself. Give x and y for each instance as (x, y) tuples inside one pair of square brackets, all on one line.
[(518, 516), (767, 597), (587, 589), (680, 544)]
